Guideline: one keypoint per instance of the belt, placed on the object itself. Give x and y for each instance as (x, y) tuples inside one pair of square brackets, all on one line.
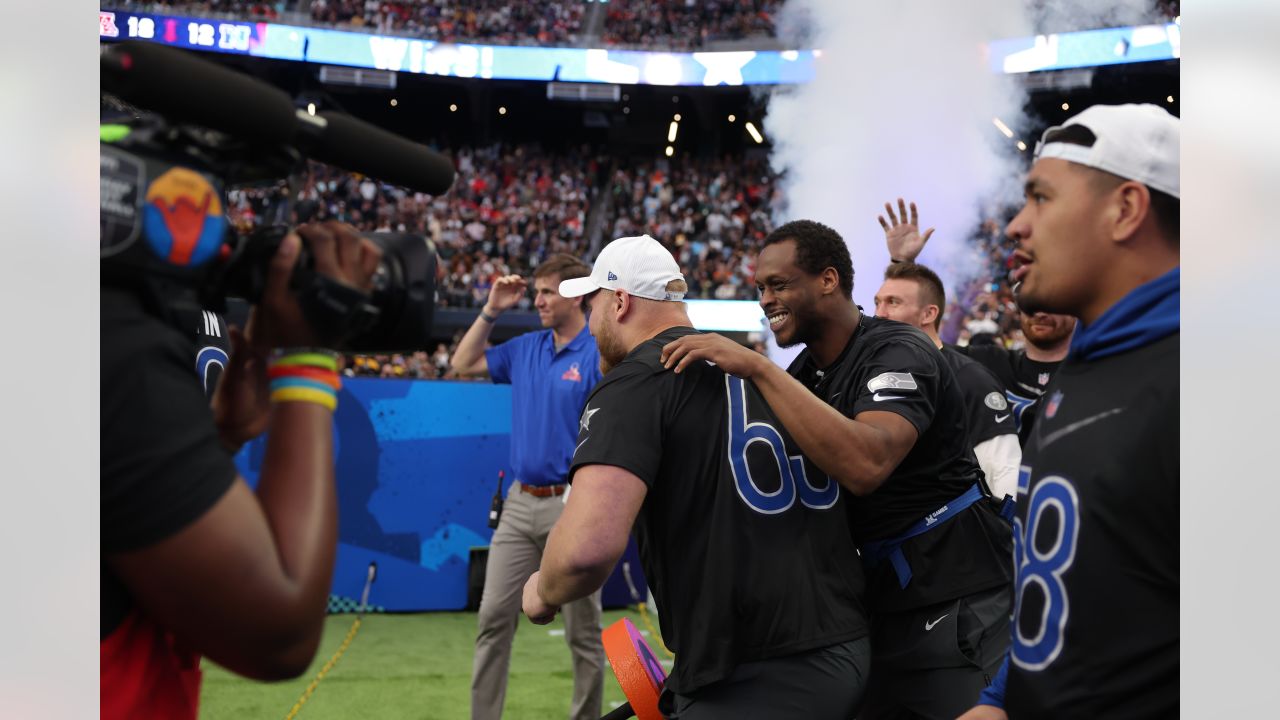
[(877, 551), (543, 490)]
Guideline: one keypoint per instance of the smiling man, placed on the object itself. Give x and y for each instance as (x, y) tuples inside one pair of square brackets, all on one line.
[(745, 543), (873, 404), (1095, 630)]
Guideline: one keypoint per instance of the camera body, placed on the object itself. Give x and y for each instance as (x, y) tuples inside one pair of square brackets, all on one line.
[(162, 214)]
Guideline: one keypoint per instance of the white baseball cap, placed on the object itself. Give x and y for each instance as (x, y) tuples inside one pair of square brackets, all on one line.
[(639, 265), (1136, 142)]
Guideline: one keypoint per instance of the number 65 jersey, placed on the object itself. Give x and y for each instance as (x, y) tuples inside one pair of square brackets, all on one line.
[(1096, 543), (745, 543)]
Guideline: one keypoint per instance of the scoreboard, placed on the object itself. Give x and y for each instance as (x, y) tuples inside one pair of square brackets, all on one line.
[(191, 33)]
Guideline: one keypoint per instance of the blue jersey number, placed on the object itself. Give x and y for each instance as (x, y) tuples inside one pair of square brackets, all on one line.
[(1044, 568), (795, 482)]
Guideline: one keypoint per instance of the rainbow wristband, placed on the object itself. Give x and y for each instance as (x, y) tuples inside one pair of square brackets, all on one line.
[(327, 377), (306, 358), (288, 382), (324, 397)]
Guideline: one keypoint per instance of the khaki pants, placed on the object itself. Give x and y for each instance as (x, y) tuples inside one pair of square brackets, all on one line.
[(514, 554)]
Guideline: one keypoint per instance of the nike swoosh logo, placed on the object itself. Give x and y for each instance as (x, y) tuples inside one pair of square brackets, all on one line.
[(1001, 418), (1060, 433), (929, 625), (881, 398)]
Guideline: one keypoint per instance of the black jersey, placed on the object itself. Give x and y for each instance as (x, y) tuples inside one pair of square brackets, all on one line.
[(1025, 380), (1096, 619), (745, 543), (162, 464), (891, 366), (986, 407), (212, 346)]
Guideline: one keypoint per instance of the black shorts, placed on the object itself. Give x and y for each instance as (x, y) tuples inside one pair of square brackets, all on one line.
[(933, 662), (823, 684)]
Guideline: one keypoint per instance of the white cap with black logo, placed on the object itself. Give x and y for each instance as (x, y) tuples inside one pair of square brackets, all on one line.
[(639, 265), (1136, 142)]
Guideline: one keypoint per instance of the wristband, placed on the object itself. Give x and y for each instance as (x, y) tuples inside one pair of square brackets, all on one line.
[(328, 377), (306, 394), (488, 318), (893, 261), (306, 357)]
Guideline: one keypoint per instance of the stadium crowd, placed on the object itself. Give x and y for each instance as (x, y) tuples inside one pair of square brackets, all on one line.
[(687, 24), (545, 22), (645, 24), (514, 205)]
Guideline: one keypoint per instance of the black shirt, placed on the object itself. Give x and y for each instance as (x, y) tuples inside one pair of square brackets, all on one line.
[(890, 366), (1101, 602), (745, 543), (1025, 380), (162, 463), (986, 407)]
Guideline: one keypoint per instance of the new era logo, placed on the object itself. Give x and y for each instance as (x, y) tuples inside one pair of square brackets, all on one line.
[(612, 277)]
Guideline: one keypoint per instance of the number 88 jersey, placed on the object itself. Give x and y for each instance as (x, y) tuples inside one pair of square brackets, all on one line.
[(1096, 543), (746, 544)]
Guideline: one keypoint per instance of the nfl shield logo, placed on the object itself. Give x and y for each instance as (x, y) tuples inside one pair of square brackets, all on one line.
[(1044, 378), (1051, 408)]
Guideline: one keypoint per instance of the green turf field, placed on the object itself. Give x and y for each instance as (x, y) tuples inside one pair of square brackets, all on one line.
[(411, 666)]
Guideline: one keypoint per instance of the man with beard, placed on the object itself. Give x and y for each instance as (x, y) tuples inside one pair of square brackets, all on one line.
[(745, 543), (551, 373), (872, 403), (1024, 373), (1096, 610)]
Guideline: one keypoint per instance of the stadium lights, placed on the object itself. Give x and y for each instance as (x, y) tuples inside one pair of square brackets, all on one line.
[(1003, 128), (626, 111), (1022, 147), (755, 134), (311, 108), (733, 118), (677, 117), (1066, 106), (671, 131), (1169, 99), (670, 151), (394, 102), (453, 108), (502, 110)]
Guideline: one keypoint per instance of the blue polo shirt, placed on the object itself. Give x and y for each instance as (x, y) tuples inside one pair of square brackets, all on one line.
[(548, 392)]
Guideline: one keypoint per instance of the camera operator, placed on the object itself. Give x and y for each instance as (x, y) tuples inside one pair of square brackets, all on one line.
[(194, 562)]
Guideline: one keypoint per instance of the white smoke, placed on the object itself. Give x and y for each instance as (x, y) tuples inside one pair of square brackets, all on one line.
[(902, 105)]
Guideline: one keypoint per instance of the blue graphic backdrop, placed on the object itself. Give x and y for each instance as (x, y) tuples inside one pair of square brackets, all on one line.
[(417, 465)]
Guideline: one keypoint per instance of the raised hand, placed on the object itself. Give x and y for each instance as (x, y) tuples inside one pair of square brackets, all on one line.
[(901, 234), (505, 293)]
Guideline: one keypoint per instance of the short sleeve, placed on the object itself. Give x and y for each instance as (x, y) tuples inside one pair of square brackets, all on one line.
[(621, 424), (898, 377), (499, 359), (988, 409), (162, 464)]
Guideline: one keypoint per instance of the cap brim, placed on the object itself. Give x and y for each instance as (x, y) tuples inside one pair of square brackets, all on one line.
[(577, 287)]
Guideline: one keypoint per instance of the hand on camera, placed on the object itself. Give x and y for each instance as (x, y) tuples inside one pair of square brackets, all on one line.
[(241, 403), (338, 252)]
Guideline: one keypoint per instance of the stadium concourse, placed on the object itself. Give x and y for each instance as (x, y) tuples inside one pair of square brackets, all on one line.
[(549, 173)]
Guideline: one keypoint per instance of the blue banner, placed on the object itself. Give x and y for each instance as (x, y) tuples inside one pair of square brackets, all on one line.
[(417, 465)]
